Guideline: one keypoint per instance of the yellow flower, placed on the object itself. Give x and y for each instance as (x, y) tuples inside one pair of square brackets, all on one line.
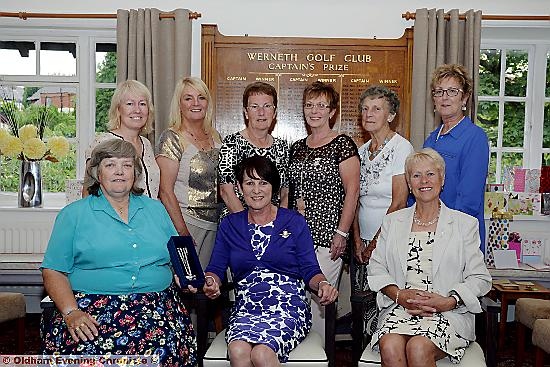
[(58, 146), (4, 136), (13, 146), (34, 148), (27, 132)]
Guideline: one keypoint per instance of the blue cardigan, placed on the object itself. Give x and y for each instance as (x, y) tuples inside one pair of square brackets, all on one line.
[(290, 250), (465, 150)]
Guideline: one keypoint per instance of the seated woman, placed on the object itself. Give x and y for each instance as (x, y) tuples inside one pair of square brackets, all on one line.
[(107, 269), (270, 253), (429, 284)]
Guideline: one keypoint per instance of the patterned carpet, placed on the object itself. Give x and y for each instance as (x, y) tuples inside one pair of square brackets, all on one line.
[(343, 349)]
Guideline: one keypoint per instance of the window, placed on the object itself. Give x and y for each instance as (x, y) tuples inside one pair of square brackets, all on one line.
[(69, 66), (514, 98)]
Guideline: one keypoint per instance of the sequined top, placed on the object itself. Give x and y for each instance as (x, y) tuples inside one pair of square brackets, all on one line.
[(150, 178), (314, 176), (196, 183)]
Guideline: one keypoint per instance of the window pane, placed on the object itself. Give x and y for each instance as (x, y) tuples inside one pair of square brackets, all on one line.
[(57, 58), (489, 72), (546, 131), (105, 62), (548, 74), (516, 73), (55, 174), (17, 58), (546, 159), (491, 177), (102, 104), (487, 118), (514, 121), (511, 160)]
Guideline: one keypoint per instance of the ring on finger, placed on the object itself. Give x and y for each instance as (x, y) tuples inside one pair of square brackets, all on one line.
[(77, 328)]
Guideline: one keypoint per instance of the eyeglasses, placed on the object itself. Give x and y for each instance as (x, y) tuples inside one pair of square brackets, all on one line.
[(451, 92), (255, 107), (320, 105)]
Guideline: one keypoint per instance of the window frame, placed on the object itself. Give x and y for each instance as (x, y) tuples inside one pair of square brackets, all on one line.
[(85, 33), (536, 41)]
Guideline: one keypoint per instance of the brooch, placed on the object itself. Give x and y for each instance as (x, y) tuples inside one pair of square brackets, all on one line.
[(285, 234)]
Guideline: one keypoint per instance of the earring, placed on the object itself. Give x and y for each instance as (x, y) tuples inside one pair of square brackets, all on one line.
[(463, 107), (435, 110)]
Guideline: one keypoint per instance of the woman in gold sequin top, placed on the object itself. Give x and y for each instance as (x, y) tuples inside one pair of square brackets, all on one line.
[(187, 154)]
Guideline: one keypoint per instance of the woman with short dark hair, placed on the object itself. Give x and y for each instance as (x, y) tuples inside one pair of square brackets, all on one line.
[(270, 253)]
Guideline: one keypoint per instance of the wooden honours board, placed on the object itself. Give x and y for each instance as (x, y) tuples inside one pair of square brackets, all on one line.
[(230, 63)]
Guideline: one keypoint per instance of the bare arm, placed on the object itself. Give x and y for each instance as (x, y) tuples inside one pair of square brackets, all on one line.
[(81, 325), (168, 174), (349, 172), (230, 198), (400, 192)]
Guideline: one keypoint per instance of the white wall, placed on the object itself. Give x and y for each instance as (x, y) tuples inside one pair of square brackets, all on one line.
[(293, 18)]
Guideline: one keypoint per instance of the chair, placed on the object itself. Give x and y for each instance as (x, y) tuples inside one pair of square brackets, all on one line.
[(541, 340), (528, 310), (474, 356), (13, 309), (309, 353)]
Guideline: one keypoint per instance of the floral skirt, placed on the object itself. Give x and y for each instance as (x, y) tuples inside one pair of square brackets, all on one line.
[(132, 324)]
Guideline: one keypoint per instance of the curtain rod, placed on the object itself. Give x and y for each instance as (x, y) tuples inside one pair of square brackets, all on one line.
[(24, 15), (409, 16)]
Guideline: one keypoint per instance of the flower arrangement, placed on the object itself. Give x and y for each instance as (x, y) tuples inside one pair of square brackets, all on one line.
[(27, 142)]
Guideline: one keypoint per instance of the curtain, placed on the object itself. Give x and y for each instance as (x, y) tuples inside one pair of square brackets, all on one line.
[(156, 52), (438, 41)]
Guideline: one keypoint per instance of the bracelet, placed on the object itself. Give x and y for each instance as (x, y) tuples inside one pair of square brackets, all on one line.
[(341, 233), (397, 296), (70, 312), (322, 281)]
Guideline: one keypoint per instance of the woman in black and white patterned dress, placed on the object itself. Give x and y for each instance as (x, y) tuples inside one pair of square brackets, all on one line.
[(428, 286), (324, 183), (260, 112)]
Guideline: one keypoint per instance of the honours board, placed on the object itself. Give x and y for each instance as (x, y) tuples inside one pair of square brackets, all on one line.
[(230, 63)]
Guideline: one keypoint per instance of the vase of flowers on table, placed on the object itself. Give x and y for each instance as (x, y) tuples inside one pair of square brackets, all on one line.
[(27, 143)]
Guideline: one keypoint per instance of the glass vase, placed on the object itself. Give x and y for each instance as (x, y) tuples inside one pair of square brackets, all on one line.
[(30, 185)]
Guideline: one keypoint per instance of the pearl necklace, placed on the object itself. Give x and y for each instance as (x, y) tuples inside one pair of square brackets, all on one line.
[(425, 224)]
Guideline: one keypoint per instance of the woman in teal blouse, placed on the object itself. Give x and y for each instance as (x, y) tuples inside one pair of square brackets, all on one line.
[(108, 272)]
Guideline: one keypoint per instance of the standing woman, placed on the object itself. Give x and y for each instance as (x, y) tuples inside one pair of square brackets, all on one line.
[(130, 115), (383, 188), (324, 183), (187, 155), (260, 113), (463, 145)]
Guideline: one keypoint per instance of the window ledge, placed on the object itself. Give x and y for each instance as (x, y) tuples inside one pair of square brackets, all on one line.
[(50, 201)]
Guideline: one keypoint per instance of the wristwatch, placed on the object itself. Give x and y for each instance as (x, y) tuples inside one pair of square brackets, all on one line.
[(457, 298)]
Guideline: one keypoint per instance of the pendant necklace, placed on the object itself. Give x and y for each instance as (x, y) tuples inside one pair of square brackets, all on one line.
[(198, 142), (374, 153)]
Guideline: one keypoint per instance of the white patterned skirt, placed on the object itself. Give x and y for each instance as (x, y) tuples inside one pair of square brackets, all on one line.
[(270, 309)]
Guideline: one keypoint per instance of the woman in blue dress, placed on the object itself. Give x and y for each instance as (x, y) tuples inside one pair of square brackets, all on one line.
[(271, 255)]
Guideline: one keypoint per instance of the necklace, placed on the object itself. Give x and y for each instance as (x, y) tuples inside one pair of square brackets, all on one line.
[(199, 143), (425, 224), (379, 149)]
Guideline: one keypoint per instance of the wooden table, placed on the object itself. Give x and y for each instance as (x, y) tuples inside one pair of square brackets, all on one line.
[(507, 295)]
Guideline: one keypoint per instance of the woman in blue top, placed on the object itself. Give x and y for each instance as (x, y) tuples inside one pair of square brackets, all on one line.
[(107, 269), (463, 145), (270, 253)]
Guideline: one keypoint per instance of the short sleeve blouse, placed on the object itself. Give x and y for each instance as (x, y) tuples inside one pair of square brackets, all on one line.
[(314, 176)]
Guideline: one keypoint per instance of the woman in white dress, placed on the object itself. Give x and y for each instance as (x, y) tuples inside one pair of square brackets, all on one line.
[(428, 286), (382, 185), (130, 115)]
